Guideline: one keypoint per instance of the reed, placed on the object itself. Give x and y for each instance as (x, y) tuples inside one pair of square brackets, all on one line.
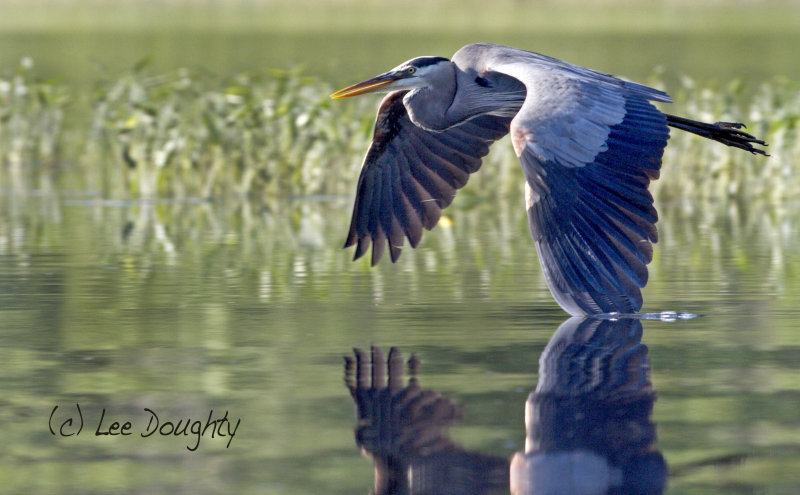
[(187, 134)]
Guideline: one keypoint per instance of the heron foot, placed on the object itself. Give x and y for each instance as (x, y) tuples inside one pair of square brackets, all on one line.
[(728, 133)]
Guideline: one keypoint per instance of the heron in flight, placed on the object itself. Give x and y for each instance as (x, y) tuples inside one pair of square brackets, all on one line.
[(588, 142)]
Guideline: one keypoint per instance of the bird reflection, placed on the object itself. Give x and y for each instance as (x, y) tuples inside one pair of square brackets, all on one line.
[(588, 422), (404, 430), (588, 426)]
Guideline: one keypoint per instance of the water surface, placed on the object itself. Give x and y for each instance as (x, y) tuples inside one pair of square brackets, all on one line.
[(185, 308)]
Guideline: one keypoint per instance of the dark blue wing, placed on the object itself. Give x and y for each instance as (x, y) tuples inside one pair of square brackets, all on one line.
[(594, 224), (410, 175), (589, 145)]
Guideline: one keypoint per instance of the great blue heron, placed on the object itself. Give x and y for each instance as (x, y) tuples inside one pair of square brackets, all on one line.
[(588, 142)]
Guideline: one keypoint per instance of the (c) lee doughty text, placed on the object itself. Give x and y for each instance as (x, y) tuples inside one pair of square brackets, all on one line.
[(70, 422)]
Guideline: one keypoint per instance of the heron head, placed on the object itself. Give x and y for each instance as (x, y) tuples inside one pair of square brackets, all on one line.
[(416, 73)]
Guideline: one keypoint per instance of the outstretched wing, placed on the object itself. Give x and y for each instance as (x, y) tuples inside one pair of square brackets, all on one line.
[(589, 145), (410, 175)]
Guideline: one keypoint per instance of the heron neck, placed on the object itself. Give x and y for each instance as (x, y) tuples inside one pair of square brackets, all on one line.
[(428, 106), (456, 96)]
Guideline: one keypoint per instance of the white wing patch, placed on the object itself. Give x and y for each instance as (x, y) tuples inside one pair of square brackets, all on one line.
[(531, 196)]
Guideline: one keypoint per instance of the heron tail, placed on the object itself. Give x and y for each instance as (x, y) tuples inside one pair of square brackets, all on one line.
[(728, 133)]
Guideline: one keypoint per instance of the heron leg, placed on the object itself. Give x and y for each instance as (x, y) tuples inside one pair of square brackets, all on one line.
[(728, 133)]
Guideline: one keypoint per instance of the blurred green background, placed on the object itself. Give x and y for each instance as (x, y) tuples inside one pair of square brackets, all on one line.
[(175, 186), (712, 39)]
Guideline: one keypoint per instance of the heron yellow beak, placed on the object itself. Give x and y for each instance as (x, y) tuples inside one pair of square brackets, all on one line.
[(368, 86)]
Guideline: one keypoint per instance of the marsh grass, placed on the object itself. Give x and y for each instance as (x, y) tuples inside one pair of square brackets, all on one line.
[(31, 124), (187, 134)]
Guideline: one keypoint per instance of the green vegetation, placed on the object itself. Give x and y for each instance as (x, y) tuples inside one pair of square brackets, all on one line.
[(31, 118), (224, 125), (189, 133)]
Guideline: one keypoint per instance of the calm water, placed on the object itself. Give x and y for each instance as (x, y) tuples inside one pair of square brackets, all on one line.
[(207, 308)]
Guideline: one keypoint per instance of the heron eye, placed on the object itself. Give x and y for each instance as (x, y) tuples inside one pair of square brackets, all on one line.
[(411, 70)]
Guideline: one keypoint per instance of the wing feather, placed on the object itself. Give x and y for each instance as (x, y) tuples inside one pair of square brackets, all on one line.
[(410, 175), (589, 145), (599, 216)]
